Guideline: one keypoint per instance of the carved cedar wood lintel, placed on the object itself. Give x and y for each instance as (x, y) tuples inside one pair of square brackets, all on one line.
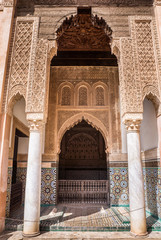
[(84, 32)]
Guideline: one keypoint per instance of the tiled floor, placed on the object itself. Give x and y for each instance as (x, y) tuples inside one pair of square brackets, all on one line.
[(82, 218)]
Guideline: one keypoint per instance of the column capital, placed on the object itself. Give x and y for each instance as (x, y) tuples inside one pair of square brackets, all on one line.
[(35, 125), (157, 2), (36, 121), (8, 3), (132, 125), (132, 121)]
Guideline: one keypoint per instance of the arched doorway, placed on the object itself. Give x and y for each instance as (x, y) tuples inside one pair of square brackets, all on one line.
[(83, 85), (83, 174)]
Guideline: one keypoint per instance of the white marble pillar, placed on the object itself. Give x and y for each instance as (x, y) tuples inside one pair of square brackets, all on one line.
[(33, 181), (136, 182)]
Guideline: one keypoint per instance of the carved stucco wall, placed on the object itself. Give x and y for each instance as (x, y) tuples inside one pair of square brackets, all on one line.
[(139, 65), (137, 50), (106, 118), (27, 73), (116, 17), (22, 45)]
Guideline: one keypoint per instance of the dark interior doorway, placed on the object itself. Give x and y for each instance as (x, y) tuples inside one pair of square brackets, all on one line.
[(16, 186), (82, 166), (83, 154)]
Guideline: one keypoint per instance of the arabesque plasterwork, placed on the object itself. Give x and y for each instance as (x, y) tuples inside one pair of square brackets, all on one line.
[(138, 60), (37, 87), (24, 39)]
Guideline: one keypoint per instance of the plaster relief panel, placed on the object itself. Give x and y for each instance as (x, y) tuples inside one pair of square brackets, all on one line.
[(38, 79), (96, 100), (19, 68)]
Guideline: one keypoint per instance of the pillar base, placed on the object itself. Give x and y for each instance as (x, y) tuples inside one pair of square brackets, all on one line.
[(143, 235), (30, 235)]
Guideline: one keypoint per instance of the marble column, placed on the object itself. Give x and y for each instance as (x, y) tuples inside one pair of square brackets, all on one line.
[(5, 122), (33, 181), (136, 182)]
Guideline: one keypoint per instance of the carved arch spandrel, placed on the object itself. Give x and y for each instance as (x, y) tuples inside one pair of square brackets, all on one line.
[(93, 121)]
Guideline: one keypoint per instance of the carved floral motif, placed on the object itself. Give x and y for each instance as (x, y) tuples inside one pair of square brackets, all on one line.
[(132, 125), (36, 125), (84, 32)]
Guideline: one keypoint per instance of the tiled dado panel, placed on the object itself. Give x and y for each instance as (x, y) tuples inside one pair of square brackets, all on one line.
[(152, 187), (48, 184), (118, 186), (9, 181), (21, 176)]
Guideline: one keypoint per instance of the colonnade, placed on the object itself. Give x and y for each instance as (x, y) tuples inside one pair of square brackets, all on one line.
[(136, 183), (33, 180)]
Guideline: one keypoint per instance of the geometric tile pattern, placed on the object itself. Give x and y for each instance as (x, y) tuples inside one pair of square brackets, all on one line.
[(152, 189), (21, 176), (48, 186), (65, 218), (9, 182), (119, 186)]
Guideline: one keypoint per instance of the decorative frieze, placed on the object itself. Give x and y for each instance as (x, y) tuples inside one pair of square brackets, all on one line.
[(6, 3), (92, 2)]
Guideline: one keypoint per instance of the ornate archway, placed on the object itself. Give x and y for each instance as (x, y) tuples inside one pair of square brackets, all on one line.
[(83, 166), (93, 121)]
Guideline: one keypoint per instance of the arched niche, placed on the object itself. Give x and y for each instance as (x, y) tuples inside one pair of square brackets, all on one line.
[(69, 94), (81, 89), (93, 121), (148, 130), (82, 155), (102, 96)]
